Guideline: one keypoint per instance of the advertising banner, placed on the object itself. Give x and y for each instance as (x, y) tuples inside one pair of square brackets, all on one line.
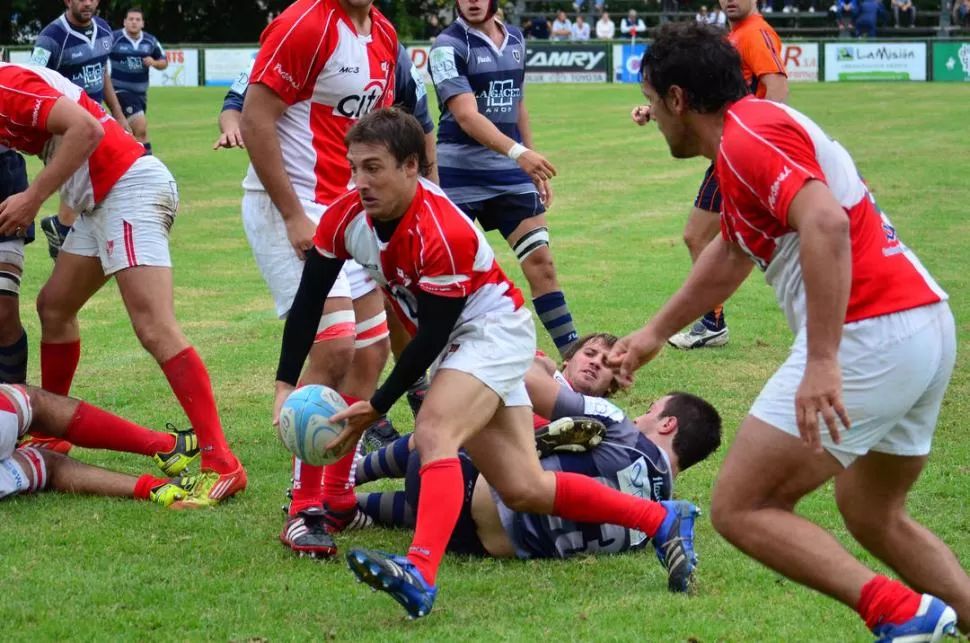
[(223, 66), (419, 58), (951, 61), (875, 61), (565, 63), (801, 61), (626, 62), (182, 70)]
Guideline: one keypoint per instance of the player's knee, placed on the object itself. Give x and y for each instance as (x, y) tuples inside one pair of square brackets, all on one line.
[(330, 361), (48, 310), (539, 268), (725, 510), (434, 436), (161, 338)]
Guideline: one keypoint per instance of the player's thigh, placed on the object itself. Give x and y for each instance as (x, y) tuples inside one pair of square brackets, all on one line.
[(147, 293), (505, 454), (77, 276), (767, 467), (457, 406), (371, 322)]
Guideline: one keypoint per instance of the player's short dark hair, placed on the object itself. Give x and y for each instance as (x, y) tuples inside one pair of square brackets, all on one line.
[(395, 129), (607, 339), (698, 427), (697, 58), (135, 9)]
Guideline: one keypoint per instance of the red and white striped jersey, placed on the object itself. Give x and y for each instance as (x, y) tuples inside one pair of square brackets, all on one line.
[(768, 152), (27, 96), (312, 57), (435, 249)]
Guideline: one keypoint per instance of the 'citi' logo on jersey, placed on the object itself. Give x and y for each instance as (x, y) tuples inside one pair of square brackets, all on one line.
[(357, 105)]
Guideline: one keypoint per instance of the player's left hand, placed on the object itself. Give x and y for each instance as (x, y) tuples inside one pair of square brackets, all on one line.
[(632, 352), (148, 61), (17, 212), (545, 193), (358, 416), (820, 392)]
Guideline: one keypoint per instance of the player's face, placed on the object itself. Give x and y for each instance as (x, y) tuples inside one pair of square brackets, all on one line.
[(385, 187), (737, 9), (82, 11), (473, 10), (668, 113), (654, 420), (134, 22), (587, 370)]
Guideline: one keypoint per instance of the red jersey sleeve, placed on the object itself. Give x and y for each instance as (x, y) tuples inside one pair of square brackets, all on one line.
[(330, 237), (768, 155), (447, 260), (291, 49), (26, 100)]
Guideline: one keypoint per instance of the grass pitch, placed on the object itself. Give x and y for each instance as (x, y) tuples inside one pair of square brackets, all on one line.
[(99, 569)]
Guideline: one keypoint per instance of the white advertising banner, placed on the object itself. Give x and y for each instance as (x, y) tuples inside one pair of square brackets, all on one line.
[(223, 66), (419, 58), (801, 61), (182, 70), (875, 61)]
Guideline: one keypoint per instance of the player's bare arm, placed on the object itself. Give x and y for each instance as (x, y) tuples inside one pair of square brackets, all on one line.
[(81, 134), (114, 106), (160, 65), (719, 271), (464, 107), (826, 257), (260, 112), (543, 389), (431, 150), (230, 128), (776, 87)]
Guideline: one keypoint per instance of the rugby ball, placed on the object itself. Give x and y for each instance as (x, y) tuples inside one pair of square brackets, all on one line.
[(305, 426)]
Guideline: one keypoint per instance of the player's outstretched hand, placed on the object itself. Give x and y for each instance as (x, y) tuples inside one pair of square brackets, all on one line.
[(283, 391), (17, 212), (536, 166), (300, 231), (641, 114), (358, 416), (820, 393), (632, 352), (230, 139)]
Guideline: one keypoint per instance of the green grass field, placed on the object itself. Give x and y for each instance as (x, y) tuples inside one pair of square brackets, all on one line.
[(97, 569)]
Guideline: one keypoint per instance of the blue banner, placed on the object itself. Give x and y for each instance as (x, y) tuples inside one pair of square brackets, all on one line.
[(626, 62)]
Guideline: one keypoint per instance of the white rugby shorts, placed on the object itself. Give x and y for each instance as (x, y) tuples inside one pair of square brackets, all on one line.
[(276, 259), (130, 226), (497, 349), (895, 371)]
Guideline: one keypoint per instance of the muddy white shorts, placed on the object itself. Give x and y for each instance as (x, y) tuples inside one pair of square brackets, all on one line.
[(895, 370), (276, 259), (497, 349), (130, 226)]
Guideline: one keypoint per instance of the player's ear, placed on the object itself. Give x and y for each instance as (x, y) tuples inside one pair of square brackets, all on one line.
[(668, 425), (677, 100), (412, 166)]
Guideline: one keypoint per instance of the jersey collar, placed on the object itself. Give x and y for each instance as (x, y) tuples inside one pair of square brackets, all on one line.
[(483, 36), (94, 34), (134, 43)]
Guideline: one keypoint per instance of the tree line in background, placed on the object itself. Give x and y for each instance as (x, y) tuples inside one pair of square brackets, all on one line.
[(199, 21)]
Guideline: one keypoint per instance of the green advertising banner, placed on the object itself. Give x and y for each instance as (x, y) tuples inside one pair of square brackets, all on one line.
[(951, 61)]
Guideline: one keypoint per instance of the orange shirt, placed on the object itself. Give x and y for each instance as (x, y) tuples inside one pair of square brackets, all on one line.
[(760, 49)]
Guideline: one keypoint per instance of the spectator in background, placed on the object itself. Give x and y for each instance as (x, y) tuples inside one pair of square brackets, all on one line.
[(870, 12), (631, 25), (719, 18), (540, 28), (961, 13), (432, 27), (845, 12), (906, 8), (703, 16), (606, 28), (562, 29), (580, 29)]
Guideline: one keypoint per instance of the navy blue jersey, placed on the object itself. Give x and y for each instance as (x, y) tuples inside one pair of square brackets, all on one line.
[(80, 57), (466, 61), (128, 72), (625, 460), (410, 93)]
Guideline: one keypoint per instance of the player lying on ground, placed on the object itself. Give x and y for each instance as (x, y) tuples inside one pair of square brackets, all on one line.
[(468, 318), (29, 469), (129, 202), (641, 457), (584, 370), (874, 347)]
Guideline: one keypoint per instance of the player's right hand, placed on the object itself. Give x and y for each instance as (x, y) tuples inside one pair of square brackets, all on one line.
[(536, 166), (632, 352), (641, 114), (283, 391), (300, 231), (232, 138)]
